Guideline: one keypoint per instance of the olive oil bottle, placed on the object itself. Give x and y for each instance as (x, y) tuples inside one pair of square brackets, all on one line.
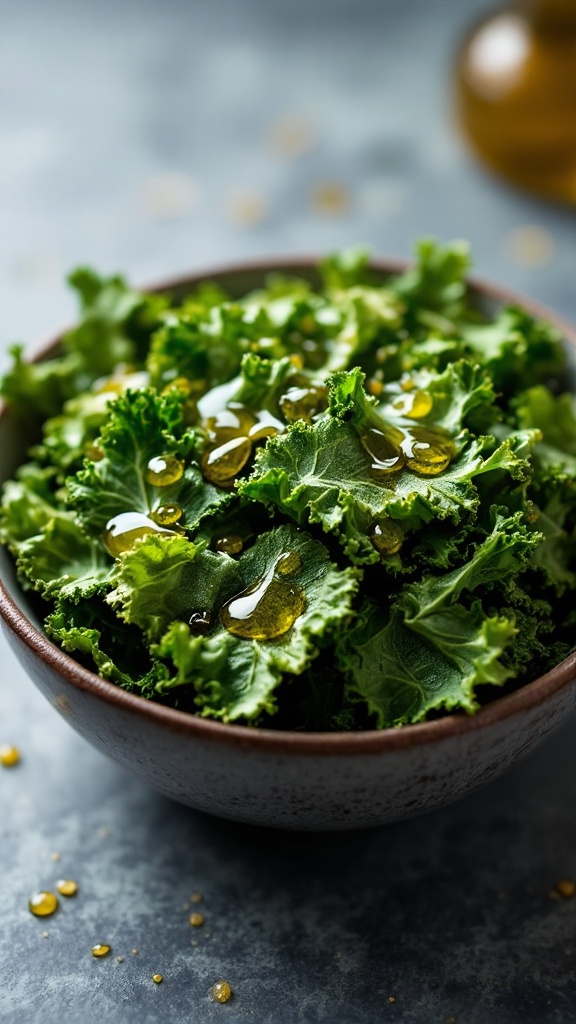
[(516, 94)]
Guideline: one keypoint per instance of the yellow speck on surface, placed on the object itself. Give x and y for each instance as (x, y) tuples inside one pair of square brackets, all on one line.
[(54, 856), (196, 920), (194, 942), (42, 904), (391, 999), (330, 198), (9, 756), (196, 897), (221, 992), (101, 949), (567, 889), (246, 209), (67, 887), (119, 959), (530, 245), (134, 952), (157, 979), (44, 935), (290, 137)]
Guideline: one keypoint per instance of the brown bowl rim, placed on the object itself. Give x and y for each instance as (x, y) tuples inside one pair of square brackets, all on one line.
[(278, 741)]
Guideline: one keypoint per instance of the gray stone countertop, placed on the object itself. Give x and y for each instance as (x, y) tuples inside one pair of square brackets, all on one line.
[(156, 137)]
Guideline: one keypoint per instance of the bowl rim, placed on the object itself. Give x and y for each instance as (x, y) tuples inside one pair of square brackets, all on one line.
[(373, 741)]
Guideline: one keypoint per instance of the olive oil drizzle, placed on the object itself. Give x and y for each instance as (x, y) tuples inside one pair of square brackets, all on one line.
[(268, 608)]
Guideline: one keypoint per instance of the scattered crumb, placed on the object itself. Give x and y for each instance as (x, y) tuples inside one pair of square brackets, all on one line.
[(54, 856), (157, 979), (168, 196), (566, 889), (196, 920), (330, 198), (246, 209), (391, 999), (134, 952), (44, 935), (290, 137), (119, 959), (530, 246)]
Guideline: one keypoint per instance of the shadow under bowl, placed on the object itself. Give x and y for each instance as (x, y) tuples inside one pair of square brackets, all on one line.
[(309, 781)]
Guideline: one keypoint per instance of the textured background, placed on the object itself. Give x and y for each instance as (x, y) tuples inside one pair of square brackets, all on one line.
[(154, 137)]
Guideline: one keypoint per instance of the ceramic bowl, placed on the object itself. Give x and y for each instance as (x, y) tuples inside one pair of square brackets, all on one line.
[(281, 779)]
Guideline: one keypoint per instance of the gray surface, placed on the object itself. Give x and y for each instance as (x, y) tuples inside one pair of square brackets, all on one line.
[(449, 913)]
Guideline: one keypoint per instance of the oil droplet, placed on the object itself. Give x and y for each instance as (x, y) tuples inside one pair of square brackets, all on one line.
[(54, 856), (567, 889), (196, 920), (157, 979), (101, 949), (67, 887), (189, 387), (93, 452), (231, 545), (266, 426), (164, 470), (428, 451), (267, 609), (387, 537), (303, 403), (384, 450), (166, 515), (374, 387), (235, 420), (42, 904), (415, 405), (200, 623), (196, 897), (9, 756), (222, 464), (44, 935), (119, 959), (288, 563), (221, 992), (391, 999), (134, 952), (125, 528)]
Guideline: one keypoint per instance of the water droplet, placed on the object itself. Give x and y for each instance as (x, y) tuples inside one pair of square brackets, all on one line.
[(127, 527), (231, 545), (303, 403), (67, 887), (267, 609), (387, 537), (221, 465), (221, 992), (164, 470), (9, 756), (42, 904), (166, 515), (101, 949), (200, 623)]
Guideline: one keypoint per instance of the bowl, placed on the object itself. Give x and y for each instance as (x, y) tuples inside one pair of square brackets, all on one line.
[(308, 781)]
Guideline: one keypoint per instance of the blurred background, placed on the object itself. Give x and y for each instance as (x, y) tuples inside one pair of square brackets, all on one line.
[(155, 137), (159, 136)]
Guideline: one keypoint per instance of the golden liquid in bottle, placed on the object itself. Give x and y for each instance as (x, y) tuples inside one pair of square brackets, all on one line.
[(270, 607), (516, 94)]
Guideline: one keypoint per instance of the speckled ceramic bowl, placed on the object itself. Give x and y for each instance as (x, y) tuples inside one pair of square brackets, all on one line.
[(286, 780)]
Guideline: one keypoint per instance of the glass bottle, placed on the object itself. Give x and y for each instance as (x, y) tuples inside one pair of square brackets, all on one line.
[(516, 94)]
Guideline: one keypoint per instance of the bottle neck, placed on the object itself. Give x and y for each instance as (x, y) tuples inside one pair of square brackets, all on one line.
[(550, 15)]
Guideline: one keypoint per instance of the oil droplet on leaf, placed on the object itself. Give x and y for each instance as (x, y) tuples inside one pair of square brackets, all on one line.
[(42, 904), (9, 756), (200, 623), (428, 450), (101, 949), (221, 465), (221, 992), (166, 515), (384, 450), (415, 405), (67, 887), (125, 528), (387, 537), (270, 607), (164, 470), (266, 426), (231, 545), (303, 403)]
